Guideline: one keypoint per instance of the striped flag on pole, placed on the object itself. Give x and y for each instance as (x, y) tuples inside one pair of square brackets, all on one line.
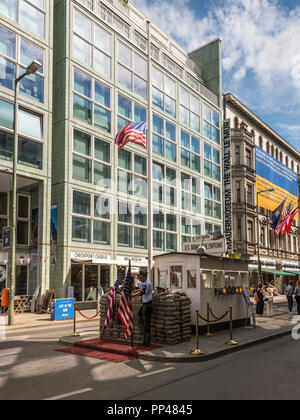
[(134, 132), (111, 298), (125, 308)]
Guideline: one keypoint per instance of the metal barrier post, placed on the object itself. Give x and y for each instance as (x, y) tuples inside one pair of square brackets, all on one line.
[(197, 352), (231, 342), (208, 333), (74, 334)]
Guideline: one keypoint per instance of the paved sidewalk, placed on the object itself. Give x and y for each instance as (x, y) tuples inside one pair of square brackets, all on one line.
[(267, 329), (27, 321)]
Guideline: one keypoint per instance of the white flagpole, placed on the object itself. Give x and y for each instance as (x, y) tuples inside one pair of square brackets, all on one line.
[(150, 193)]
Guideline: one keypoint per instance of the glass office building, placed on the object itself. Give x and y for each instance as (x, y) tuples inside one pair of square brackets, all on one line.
[(96, 70)]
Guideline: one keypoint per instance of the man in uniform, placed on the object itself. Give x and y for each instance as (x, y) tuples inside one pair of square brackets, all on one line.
[(145, 313)]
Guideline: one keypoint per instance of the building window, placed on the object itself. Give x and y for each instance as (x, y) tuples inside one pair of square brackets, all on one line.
[(212, 162), (16, 53), (190, 151), (238, 191), (249, 193), (132, 226), (129, 111), (3, 211), (164, 138), (250, 231), (211, 124), (28, 13), (190, 194), (91, 101), (248, 158), (189, 228), (164, 92), (189, 110), (164, 231), (237, 155), (239, 229), (210, 228), (132, 174), (91, 159), (91, 218), (92, 44), (164, 185), (23, 220), (132, 70), (212, 202), (30, 131)]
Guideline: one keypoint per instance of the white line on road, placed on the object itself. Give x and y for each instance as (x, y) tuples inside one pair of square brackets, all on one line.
[(155, 372), (70, 394)]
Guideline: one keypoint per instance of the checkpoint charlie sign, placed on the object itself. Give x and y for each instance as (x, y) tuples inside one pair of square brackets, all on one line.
[(211, 246)]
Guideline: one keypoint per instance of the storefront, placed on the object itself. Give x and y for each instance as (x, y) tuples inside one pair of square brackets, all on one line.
[(22, 274), (92, 274)]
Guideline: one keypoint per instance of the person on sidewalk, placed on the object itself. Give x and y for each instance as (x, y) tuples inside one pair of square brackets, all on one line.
[(260, 303), (289, 295), (145, 313), (270, 291), (297, 295)]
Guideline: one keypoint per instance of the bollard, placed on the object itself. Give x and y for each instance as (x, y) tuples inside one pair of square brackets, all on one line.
[(208, 333), (231, 342), (197, 352), (74, 334)]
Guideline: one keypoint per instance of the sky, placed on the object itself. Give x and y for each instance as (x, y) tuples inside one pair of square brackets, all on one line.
[(261, 50)]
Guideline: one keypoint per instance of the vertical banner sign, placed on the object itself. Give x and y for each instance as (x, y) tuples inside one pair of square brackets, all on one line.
[(53, 241), (34, 240), (227, 186)]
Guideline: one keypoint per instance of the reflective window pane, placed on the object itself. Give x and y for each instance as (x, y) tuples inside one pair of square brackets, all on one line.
[(30, 52), (82, 50), (125, 107), (101, 233), (82, 25), (102, 118), (158, 98), (125, 54), (102, 94), (30, 153), (102, 150), (81, 203), (22, 233), (140, 87), (82, 143), (158, 125), (170, 131), (171, 151), (125, 236), (81, 230), (82, 169), (7, 42), (23, 202), (6, 146), (124, 77), (9, 8), (170, 106), (102, 175), (6, 114), (82, 84), (7, 74), (33, 87), (140, 165), (30, 124), (102, 39), (139, 113), (140, 238), (32, 19), (158, 78), (3, 204), (140, 66), (82, 109), (158, 145), (102, 63), (102, 207)]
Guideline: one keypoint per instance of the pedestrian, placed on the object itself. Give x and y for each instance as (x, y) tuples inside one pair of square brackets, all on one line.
[(289, 295), (297, 295), (145, 313), (270, 292), (260, 303)]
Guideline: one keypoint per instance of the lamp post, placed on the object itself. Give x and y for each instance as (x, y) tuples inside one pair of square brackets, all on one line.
[(31, 69), (258, 232)]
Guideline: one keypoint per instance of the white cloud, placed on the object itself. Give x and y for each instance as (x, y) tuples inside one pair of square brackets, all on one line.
[(259, 36)]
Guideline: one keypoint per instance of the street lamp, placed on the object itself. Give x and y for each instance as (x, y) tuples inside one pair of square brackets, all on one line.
[(258, 233), (31, 69)]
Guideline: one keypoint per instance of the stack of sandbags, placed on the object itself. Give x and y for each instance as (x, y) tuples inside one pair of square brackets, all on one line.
[(171, 319)]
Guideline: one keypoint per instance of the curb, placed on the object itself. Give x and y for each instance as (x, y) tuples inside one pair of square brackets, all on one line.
[(212, 356), (67, 341)]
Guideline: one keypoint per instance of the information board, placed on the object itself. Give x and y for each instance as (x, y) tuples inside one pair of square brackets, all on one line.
[(62, 309)]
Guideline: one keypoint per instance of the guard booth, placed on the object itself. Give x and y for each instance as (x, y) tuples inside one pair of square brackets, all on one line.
[(219, 281)]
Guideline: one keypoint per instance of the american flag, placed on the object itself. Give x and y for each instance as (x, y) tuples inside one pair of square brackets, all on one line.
[(125, 307), (134, 132), (284, 220), (111, 298)]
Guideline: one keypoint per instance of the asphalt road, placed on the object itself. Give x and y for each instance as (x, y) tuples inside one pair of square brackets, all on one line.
[(30, 368)]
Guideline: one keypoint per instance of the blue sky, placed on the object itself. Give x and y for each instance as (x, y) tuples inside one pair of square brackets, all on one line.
[(261, 50)]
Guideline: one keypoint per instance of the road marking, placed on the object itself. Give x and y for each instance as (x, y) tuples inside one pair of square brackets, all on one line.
[(155, 372), (70, 394)]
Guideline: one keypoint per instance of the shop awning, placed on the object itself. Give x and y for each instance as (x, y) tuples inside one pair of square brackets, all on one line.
[(275, 272)]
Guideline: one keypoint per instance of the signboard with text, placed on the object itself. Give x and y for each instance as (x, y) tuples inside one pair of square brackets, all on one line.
[(228, 228)]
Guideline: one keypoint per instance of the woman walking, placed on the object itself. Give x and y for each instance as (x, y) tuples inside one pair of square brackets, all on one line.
[(297, 295), (260, 303), (270, 289), (289, 295)]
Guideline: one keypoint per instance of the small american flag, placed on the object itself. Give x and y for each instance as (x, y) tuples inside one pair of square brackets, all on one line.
[(111, 298), (285, 218), (134, 132), (125, 307)]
